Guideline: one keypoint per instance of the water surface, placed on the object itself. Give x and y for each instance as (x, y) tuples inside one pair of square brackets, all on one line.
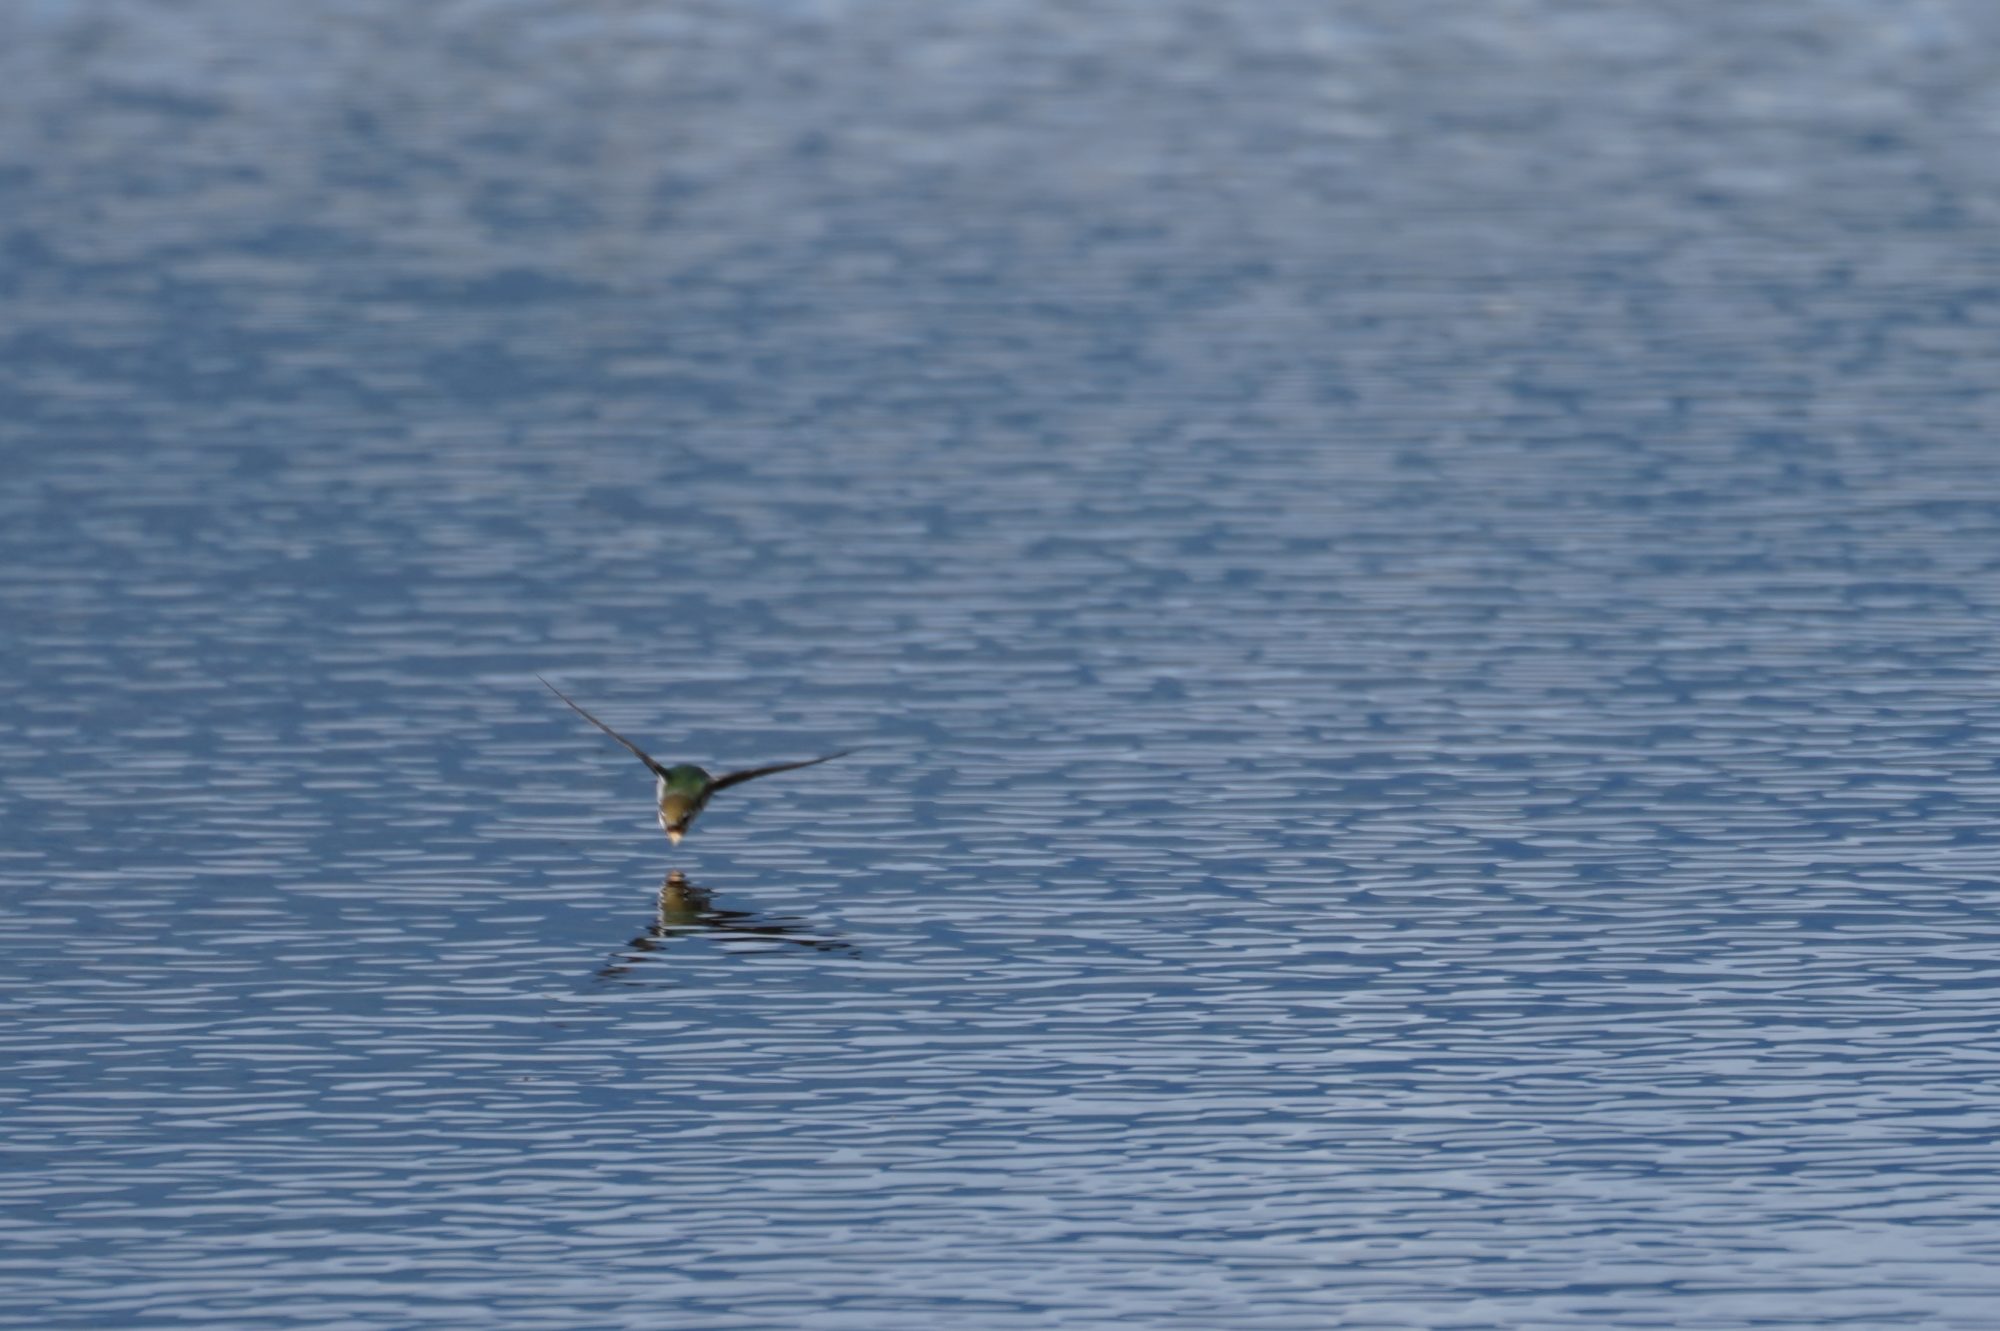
[(1419, 589)]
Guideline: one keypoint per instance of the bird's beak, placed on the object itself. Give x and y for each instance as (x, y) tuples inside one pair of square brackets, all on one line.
[(674, 837)]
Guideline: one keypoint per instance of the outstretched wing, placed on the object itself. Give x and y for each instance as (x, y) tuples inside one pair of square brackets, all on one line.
[(729, 779), (642, 755)]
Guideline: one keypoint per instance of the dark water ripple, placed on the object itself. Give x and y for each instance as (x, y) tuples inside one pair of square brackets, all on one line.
[(1419, 592)]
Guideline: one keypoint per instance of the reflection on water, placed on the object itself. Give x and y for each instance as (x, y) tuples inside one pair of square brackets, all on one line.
[(686, 910)]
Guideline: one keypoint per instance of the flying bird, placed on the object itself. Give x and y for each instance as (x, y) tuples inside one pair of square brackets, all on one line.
[(683, 790)]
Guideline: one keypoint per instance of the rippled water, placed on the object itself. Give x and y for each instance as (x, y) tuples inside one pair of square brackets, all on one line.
[(1419, 587)]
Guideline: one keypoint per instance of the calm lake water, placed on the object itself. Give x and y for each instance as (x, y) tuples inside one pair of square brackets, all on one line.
[(1419, 584)]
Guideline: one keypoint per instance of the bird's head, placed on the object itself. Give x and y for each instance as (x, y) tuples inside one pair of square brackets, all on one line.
[(676, 814)]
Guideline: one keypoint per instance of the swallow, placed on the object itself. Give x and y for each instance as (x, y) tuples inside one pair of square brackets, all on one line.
[(684, 790)]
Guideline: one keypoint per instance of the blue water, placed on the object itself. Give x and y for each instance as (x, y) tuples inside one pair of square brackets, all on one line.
[(1419, 583)]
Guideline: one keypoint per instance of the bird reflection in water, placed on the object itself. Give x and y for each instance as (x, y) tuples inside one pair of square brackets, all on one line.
[(686, 910)]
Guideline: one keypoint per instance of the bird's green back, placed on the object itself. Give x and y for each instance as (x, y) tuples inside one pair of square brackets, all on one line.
[(685, 779)]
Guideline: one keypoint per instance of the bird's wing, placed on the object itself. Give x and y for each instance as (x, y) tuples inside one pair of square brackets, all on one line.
[(642, 755), (729, 779)]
